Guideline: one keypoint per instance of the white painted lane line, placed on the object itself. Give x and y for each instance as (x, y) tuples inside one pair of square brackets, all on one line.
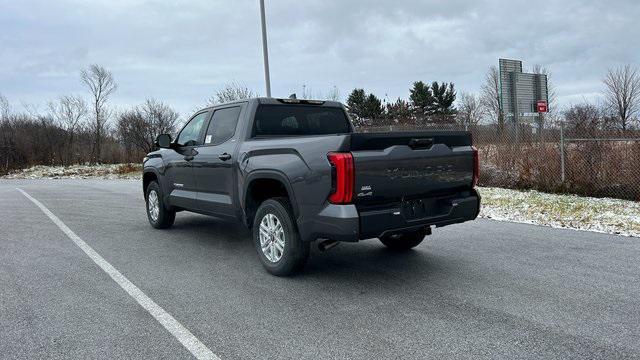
[(186, 338)]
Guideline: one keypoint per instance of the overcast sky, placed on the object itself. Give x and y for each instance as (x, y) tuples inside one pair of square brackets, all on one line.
[(182, 52)]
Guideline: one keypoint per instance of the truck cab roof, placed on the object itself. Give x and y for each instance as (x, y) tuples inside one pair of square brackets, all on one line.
[(280, 101)]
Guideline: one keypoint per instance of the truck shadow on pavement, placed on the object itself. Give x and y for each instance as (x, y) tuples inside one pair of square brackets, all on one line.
[(366, 260)]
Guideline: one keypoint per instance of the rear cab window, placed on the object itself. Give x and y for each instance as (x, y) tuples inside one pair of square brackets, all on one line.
[(299, 120)]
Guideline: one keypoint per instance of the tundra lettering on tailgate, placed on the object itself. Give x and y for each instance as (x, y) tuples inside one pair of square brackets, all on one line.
[(427, 172)]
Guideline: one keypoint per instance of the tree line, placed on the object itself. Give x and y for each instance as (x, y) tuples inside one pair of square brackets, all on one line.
[(440, 104), (82, 128), (427, 103), (86, 128), (618, 109)]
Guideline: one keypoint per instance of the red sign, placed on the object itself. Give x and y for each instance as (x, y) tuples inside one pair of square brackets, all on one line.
[(541, 106)]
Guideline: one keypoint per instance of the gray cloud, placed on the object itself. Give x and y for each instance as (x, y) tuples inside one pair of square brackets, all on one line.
[(182, 51)]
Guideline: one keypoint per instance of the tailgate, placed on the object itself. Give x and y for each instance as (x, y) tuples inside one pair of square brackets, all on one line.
[(401, 166)]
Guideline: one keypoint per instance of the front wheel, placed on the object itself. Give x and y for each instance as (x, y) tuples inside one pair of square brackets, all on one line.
[(159, 217), (276, 238), (402, 242)]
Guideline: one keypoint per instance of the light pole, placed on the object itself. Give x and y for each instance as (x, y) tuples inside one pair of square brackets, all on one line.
[(265, 52)]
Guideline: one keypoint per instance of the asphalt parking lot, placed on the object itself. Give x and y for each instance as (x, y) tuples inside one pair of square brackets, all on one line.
[(483, 289)]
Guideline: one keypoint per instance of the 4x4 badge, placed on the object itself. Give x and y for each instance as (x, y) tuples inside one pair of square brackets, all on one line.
[(366, 188)]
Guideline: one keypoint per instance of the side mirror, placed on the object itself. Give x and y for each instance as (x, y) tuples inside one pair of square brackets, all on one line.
[(163, 141)]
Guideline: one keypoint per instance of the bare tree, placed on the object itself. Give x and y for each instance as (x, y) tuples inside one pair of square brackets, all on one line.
[(101, 84), (333, 94), (133, 131), (69, 112), (30, 109), (6, 134), (308, 93), (231, 92), (162, 118), (490, 97), (5, 107), (139, 127), (470, 109), (622, 93), (583, 119)]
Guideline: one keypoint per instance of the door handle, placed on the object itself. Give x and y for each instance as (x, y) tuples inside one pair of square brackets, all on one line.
[(188, 158), (224, 156)]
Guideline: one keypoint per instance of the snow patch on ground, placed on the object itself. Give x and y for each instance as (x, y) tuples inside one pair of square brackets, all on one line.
[(100, 171), (605, 215)]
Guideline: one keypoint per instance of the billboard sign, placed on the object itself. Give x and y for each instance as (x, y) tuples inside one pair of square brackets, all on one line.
[(507, 67), (520, 93)]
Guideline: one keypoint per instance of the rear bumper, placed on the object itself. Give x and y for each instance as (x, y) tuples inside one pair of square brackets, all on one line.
[(347, 223), (336, 222), (437, 212)]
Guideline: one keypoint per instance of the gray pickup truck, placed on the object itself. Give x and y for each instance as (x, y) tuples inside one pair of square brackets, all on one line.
[(294, 171)]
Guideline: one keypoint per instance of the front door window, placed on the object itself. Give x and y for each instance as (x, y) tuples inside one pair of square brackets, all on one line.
[(190, 134)]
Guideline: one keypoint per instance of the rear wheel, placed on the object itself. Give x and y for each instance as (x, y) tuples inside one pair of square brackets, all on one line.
[(159, 217), (406, 241), (276, 238)]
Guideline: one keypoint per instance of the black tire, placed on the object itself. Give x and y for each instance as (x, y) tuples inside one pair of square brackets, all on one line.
[(295, 253), (165, 218), (403, 242)]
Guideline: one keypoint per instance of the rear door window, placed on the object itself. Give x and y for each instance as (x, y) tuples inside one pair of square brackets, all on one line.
[(222, 126)]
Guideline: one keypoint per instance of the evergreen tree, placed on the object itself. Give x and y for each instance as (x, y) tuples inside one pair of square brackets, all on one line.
[(444, 96), (355, 104), (399, 111), (372, 107), (422, 100)]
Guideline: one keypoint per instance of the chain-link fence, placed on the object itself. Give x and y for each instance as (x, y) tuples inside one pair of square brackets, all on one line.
[(555, 159)]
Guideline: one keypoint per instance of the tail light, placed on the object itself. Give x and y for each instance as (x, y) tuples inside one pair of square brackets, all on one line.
[(342, 177), (476, 166)]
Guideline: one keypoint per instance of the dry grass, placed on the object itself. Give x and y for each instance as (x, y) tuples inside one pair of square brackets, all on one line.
[(128, 168), (602, 169)]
